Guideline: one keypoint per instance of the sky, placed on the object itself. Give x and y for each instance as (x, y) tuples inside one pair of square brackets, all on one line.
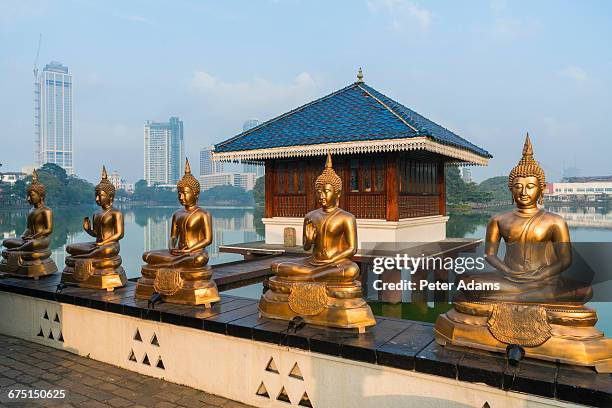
[(487, 70)]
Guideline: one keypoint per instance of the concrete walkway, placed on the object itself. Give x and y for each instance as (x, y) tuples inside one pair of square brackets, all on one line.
[(28, 368)]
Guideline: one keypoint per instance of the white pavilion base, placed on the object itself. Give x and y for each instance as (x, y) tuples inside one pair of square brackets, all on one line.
[(420, 229), (236, 368)]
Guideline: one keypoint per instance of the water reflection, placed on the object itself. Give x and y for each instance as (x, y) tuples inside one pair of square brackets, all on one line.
[(146, 228)]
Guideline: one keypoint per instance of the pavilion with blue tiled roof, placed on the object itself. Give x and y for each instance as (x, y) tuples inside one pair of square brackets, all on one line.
[(391, 160)]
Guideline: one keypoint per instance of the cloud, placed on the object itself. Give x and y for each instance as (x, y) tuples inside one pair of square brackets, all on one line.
[(402, 12), (258, 92), (505, 27), (576, 73)]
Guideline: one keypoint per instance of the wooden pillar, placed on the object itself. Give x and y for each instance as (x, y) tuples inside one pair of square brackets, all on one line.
[(392, 188), (270, 187), (442, 187)]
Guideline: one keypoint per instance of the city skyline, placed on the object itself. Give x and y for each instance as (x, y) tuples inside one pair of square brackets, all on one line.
[(489, 70)]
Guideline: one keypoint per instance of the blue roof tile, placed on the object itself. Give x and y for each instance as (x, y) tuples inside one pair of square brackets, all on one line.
[(354, 113)]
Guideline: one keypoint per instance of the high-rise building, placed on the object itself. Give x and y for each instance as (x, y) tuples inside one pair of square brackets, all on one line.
[(466, 174), (207, 165), (164, 151), (245, 181), (115, 179), (250, 124), (53, 116)]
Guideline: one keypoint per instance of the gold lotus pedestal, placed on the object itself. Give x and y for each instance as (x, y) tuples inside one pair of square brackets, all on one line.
[(105, 274), (321, 304), (27, 264), (551, 332), (186, 286)]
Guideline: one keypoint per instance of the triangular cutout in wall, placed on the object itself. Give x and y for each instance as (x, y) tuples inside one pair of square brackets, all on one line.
[(305, 401), (56, 318), (154, 340), (40, 333), (145, 360), (271, 367), (283, 396), (50, 336), (296, 372), (486, 405), (137, 336), (46, 316), (262, 391), (160, 364), (132, 356), (61, 337)]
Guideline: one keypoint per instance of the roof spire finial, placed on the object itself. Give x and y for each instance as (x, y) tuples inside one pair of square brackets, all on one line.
[(360, 76)]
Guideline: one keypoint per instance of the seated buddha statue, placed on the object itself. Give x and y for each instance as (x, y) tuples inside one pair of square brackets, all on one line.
[(323, 287), (526, 301), (180, 274), (29, 255), (97, 264)]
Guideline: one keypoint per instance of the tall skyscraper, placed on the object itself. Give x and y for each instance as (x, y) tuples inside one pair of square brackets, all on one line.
[(250, 124), (164, 151), (207, 165), (53, 116)]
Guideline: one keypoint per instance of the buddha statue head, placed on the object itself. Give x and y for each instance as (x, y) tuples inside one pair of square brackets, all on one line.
[(328, 185), (188, 188), (105, 191), (36, 190), (526, 180)]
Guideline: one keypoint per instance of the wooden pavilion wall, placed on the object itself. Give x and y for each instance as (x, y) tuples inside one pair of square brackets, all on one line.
[(388, 186)]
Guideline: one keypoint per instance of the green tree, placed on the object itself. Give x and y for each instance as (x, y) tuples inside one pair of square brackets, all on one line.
[(259, 191)]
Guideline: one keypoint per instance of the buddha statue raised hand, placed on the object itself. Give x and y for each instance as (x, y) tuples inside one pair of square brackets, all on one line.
[(180, 274), (29, 255), (526, 300), (97, 264), (323, 288)]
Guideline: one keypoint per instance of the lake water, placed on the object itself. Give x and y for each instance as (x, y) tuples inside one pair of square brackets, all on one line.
[(148, 228)]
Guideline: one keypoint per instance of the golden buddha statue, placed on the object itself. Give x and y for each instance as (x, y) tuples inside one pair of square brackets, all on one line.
[(323, 288), (29, 255), (526, 302), (97, 265), (180, 274)]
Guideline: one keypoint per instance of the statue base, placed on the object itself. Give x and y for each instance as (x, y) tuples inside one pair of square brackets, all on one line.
[(104, 274), (562, 332), (31, 265), (322, 304), (176, 285)]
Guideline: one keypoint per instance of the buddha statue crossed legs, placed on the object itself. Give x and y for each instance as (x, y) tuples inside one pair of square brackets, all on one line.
[(323, 288), (29, 255), (97, 264), (180, 274), (534, 307)]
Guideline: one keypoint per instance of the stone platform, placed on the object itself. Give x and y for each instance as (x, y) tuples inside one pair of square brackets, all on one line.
[(228, 350)]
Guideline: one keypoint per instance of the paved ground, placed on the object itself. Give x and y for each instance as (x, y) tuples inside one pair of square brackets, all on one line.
[(87, 383)]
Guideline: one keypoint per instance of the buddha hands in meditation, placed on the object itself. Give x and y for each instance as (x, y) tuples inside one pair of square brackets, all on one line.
[(97, 264), (180, 274), (323, 287), (29, 254), (538, 247)]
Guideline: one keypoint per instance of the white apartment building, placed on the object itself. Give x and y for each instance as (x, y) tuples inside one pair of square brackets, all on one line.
[(246, 181), (164, 152), (53, 116), (587, 191), (207, 165)]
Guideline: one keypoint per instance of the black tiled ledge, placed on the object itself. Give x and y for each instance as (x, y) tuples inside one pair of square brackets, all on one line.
[(400, 344)]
